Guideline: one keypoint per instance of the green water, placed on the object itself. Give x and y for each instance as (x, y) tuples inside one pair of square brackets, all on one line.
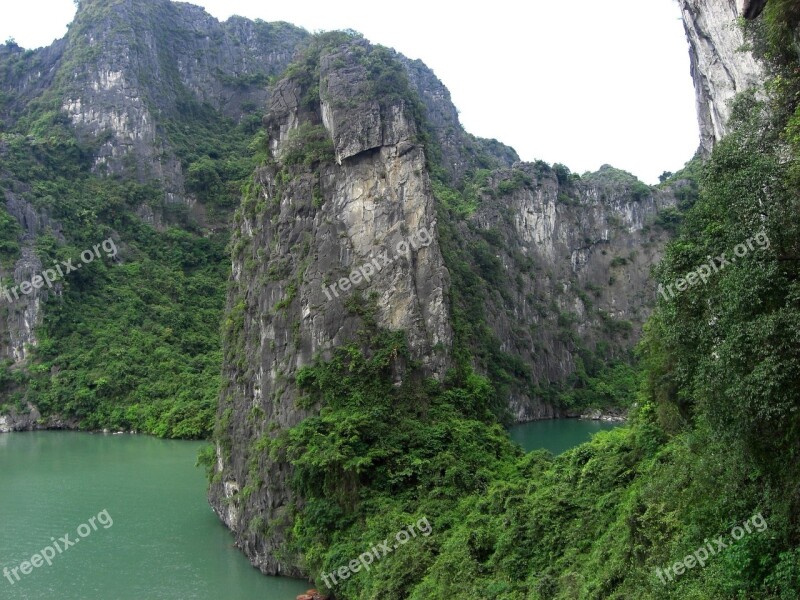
[(556, 435), (165, 542)]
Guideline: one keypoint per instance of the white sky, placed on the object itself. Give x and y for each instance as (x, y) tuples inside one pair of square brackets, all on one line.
[(580, 82)]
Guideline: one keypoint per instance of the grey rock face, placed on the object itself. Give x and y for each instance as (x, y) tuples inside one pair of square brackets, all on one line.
[(355, 119), (312, 224), (30, 419), (573, 258), (720, 67), (18, 317), (124, 69), (21, 313), (373, 197), (130, 64)]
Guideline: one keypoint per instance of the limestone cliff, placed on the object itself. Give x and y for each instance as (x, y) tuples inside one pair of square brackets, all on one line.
[(128, 77), (721, 66), (571, 274), (131, 66), (310, 224), (366, 164), (371, 207)]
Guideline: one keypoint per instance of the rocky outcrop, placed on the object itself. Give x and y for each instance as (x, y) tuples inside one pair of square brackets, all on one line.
[(569, 261), (24, 76), (20, 314), (721, 66), (131, 65), (30, 419), (312, 595), (310, 229), (340, 232), (610, 415)]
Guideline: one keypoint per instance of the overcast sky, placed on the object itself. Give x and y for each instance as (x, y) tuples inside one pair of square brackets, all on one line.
[(579, 82)]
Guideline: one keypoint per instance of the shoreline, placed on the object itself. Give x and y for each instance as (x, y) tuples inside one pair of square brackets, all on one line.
[(619, 416)]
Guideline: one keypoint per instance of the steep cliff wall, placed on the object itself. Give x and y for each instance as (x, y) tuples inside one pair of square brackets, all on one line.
[(374, 209), (313, 220), (136, 90), (20, 317), (567, 260), (152, 88), (721, 66), (24, 76), (132, 67)]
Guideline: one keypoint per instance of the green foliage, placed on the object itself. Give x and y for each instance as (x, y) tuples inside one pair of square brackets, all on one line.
[(490, 267), (563, 174), (740, 373), (305, 71), (618, 261), (245, 81), (669, 219), (218, 155), (207, 459), (614, 385), (135, 346), (10, 232), (685, 186), (517, 181), (462, 204), (203, 180), (387, 78), (712, 438), (609, 175), (379, 455), (307, 145), (131, 343)]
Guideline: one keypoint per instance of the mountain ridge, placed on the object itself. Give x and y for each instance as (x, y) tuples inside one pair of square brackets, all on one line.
[(183, 141)]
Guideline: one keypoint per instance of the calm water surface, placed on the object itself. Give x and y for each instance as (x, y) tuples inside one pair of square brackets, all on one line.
[(556, 435), (165, 542)]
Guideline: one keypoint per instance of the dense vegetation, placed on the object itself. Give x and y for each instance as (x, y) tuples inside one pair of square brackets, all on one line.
[(712, 439), (132, 342)]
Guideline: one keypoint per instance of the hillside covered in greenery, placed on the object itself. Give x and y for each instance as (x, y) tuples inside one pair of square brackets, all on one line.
[(130, 343), (133, 341), (711, 444)]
